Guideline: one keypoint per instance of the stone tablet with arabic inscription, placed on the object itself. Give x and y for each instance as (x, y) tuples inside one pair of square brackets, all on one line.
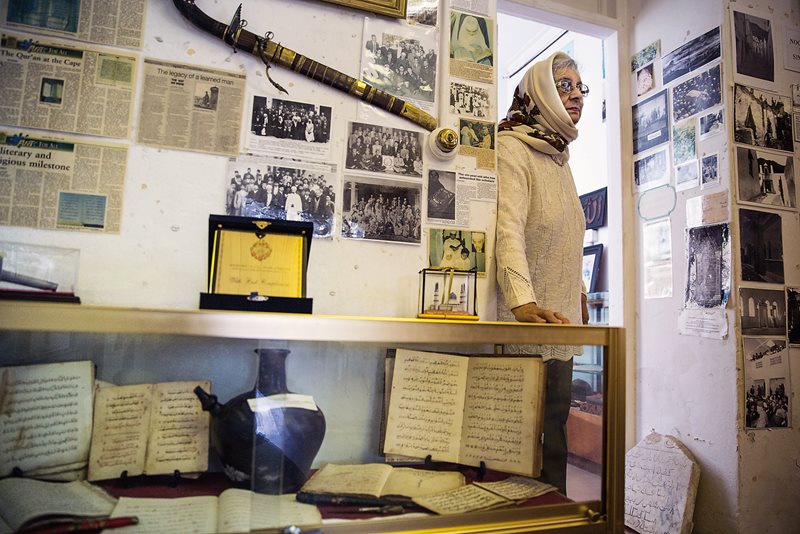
[(661, 477)]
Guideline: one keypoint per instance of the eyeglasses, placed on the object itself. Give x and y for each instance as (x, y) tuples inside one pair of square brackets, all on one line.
[(565, 86)]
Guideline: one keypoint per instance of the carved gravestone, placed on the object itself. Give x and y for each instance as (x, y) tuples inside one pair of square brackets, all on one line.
[(661, 477)]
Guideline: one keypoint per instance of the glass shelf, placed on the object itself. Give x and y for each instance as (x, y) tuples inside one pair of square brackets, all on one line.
[(340, 360)]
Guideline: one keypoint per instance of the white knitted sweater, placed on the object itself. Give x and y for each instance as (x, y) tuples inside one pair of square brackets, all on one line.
[(539, 246)]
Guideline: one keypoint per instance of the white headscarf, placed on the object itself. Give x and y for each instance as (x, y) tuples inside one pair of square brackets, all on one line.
[(537, 115)]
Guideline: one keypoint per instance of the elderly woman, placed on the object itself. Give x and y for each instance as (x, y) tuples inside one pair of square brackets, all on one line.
[(540, 227)]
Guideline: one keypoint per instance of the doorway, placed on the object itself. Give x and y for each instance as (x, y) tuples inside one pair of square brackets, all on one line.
[(526, 35)]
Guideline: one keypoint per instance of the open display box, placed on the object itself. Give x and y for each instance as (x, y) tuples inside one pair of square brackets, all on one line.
[(257, 265)]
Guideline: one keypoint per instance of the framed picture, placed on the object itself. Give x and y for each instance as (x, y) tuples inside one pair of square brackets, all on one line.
[(594, 208), (591, 266), (650, 122), (390, 8)]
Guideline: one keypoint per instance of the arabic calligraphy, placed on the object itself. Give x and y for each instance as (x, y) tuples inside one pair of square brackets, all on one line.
[(44, 413)]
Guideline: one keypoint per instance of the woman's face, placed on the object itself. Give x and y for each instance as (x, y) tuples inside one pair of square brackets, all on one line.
[(573, 101)]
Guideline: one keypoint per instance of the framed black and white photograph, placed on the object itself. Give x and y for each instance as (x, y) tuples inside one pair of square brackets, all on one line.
[(401, 60), (380, 209), (651, 170), (697, 94), (793, 315), (442, 195), (761, 246), (383, 149), (272, 188), (708, 280), (288, 128), (650, 122), (592, 256), (687, 176), (454, 248), (691, 56), (755, 54), (765, 178), (709, 171), (712, 123), (795, 88), (684, 142), (469, 100), (762, 119), (762, 311), (766, 383)]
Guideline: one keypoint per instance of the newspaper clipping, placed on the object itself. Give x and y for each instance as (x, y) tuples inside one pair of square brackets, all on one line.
[(48, 182), (450, 194), (67, 89), (105, 22), (191, 108)]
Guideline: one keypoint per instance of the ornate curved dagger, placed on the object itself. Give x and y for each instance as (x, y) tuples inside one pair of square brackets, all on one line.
[(270, 52)]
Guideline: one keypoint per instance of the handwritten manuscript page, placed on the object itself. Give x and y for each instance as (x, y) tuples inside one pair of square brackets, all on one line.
[(409, 482), (427, 405), (465, 499), (46, 415), (178, 429), (119, 437), (149, 428), (185, 514), (502, 414), (243, 511)]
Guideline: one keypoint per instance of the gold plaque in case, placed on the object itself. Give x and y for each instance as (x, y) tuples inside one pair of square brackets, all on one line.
[(257, 264)]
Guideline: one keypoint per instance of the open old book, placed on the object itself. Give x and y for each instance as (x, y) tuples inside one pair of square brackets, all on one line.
[(149, 429), (28, 503), (484, 495), (467, 410), (46, 417), (374, 483), (235, 510)]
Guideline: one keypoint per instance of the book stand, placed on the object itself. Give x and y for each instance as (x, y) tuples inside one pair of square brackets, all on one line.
[(126, 481), (480, 471)]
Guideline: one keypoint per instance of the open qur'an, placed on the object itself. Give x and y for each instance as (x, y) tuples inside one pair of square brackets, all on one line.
[(46, 417), (467, 409), (149, 428)]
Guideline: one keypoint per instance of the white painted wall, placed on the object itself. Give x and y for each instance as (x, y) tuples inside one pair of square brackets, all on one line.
[(160, 257), (691, 387)]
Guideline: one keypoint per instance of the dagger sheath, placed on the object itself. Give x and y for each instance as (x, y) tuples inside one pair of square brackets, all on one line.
[(272, 52)]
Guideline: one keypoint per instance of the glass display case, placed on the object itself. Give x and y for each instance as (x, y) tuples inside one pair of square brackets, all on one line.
[(334, 365)]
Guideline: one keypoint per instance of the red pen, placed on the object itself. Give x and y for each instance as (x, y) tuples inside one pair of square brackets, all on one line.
[(86, 525)]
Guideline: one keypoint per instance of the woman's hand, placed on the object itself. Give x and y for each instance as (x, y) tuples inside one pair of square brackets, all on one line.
[(531, 313), (584, 309)]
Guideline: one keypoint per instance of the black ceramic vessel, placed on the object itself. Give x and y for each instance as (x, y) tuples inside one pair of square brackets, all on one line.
[(282, 441)]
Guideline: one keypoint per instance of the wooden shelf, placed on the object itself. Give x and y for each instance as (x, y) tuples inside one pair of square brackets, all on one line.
[(37, 316)]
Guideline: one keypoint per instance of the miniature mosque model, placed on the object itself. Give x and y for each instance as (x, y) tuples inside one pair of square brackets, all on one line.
[(447, 294)]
